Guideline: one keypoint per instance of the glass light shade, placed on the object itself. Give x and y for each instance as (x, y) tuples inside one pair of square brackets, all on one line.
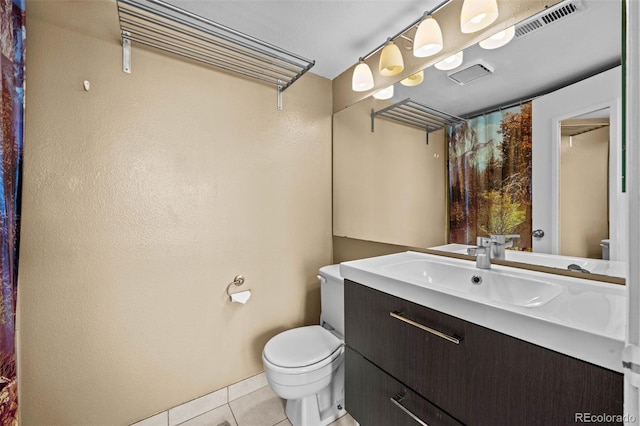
[(453, 61), (413, 79), (362, 79), (428, 39), (477, 14), (384, 93), (499, 39), (391, 62)]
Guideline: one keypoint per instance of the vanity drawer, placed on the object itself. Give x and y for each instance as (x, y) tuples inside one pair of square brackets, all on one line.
[(423, 348), (374, 398)]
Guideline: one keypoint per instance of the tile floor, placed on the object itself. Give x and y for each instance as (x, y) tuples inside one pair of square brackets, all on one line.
[(258, 408)]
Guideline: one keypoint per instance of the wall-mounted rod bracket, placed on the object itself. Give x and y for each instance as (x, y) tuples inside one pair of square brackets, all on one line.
[(373, 115), (280, 95), (126, 52)]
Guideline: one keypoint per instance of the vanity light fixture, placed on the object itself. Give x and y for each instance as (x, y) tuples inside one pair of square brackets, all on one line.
[(428, 38), (453, 61), (384, 93), (427, 42), (477, 14), (413, 79), (499, 39), (362, 79), (391, 62)]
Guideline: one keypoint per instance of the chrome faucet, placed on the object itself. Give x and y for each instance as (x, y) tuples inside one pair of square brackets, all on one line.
[(500, 242), (482, 252), (491, 247)]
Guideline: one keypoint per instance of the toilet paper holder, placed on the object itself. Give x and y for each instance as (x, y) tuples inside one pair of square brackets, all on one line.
[(241, 296), (237, 281)]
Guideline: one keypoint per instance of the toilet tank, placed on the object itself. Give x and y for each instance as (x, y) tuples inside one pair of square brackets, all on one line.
[(332, 297)]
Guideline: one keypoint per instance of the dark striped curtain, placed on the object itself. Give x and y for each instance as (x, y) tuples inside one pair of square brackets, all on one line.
[(12, 63), (490, 177)]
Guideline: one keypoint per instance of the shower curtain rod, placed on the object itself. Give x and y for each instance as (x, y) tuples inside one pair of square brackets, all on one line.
[(511, 104)]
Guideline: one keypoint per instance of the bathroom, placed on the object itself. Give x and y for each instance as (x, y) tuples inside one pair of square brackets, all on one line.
[(147, 193)]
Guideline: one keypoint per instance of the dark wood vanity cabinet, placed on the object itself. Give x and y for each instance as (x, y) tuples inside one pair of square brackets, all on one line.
[(382, 400), (463, 374)]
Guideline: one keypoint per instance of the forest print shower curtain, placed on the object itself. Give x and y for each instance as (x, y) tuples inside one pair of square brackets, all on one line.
[(490, 177), (12, 43)]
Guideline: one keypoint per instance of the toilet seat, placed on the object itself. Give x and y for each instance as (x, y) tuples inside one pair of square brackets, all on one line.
[(302, 349)]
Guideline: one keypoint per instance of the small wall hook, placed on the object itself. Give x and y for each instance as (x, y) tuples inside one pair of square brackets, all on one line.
[(87, 85)]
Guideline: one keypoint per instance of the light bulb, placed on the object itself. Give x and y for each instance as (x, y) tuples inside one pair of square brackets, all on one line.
[(391, 62), (413, 79), (477, 14), (478, 18), (362, 79), (499, 39), (428, 38), (453, 61), (384, 93)]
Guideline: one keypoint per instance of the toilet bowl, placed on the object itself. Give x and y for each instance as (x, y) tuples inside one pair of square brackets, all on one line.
[(305, 365)]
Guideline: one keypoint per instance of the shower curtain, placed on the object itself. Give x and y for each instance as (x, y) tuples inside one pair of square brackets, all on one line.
[(12, 44), (490, 177)]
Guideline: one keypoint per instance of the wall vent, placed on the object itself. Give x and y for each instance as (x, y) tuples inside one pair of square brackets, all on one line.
[(548, 16), (473, 71)]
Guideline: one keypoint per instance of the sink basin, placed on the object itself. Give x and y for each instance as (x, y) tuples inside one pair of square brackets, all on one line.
[(501, 287)]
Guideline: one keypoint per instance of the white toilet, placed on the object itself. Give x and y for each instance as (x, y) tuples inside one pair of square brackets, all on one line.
[(305, 365)]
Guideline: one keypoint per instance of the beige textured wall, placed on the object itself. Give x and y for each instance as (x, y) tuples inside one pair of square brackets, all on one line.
[(584, 197), (387, 185), (345, 249), (143, 198)]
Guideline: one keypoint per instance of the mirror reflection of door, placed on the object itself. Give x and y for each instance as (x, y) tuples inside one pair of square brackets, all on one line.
[(584, 185)]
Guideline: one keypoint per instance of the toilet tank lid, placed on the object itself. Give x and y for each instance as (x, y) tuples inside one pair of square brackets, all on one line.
[(331, 271), (301, 347)]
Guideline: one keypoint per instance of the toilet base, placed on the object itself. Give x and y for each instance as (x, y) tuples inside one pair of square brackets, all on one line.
[(306, 412), (322, 408)]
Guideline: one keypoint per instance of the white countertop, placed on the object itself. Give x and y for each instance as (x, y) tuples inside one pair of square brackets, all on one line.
[(586, 321)]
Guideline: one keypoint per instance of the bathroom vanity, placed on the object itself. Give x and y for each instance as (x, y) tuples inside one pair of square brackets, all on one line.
[(425, 348)]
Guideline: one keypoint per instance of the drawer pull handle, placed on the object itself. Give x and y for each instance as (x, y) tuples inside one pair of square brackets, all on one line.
[(397, 402), (452, 339)]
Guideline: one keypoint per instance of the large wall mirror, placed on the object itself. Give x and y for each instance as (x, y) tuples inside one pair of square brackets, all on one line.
[(569, 66)]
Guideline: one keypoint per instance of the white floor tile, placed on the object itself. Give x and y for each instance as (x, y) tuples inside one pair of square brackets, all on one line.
[(345, 420), (259, 408), (247, 386), (191, 409), (221, 416), (161, 419)]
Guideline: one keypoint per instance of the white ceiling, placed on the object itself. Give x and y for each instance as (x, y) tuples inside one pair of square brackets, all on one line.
[(335, 33)]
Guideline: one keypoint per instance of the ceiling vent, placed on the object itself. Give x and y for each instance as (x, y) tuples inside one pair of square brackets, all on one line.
[(473, 71), (548, 16)]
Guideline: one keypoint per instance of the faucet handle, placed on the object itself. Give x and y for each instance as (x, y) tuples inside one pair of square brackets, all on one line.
[(483, 241)]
